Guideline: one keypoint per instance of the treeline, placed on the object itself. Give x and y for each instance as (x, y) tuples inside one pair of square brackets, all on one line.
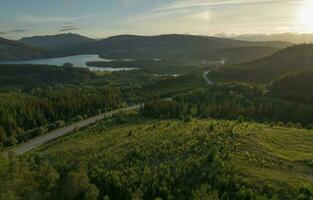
[(138, 86), (231, 101), (25, 115), (152, 66)]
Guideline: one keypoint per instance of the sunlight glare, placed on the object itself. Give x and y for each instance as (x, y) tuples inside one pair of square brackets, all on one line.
[(306, 16)]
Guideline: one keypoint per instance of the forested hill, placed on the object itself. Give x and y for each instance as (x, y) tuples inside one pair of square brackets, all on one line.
[(56, 41), (35, 99), (295, 86), (298, 57), (169, 45), (12, 50), (177, 41), (172, 46)]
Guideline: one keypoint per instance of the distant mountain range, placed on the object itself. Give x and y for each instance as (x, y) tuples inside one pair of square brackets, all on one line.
[(176, 47), (11, 50), (296, 38), (173, 46), (56, 41), (291, 59)]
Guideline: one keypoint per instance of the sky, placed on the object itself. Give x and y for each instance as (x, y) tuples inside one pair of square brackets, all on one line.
[(103, 18)]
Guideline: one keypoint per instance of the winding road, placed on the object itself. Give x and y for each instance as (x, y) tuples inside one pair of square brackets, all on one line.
[(205, 77), (66, 130)]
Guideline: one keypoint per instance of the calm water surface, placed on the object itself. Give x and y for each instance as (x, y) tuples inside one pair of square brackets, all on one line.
[(77, 61)]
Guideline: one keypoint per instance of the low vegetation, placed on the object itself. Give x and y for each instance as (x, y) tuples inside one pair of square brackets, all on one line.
[(144, 158)]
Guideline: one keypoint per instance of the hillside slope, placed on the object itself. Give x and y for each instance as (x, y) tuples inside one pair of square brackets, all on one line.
[(288, 60), (169, 45), (294, 86), (142, 158), (11, 50)]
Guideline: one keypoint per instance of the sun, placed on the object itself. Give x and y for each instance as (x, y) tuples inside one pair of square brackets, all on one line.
[(306, 16)]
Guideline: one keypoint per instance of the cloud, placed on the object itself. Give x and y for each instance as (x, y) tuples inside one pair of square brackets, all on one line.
[(68, 23), (13, 31), (18, 31), (212, 16), (68, 29), (152, 16), (46, 19), (68, 26), (189, 4)]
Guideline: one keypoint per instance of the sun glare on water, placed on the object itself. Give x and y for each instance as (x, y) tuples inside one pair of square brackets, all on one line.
[(306, 16)]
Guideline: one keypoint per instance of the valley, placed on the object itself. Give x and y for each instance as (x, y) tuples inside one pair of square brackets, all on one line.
[(157, 117)]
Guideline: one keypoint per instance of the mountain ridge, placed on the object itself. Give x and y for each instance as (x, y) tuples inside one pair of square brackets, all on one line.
[(168, 46), (56, 41)]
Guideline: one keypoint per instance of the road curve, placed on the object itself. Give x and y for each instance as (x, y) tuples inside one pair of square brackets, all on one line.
[(205, 76), (65, 130)]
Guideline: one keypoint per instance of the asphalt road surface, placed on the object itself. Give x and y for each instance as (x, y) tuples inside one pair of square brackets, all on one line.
[(65, 130), (205, 76)]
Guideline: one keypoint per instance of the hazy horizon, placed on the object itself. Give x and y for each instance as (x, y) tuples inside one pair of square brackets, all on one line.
[(100, 19)]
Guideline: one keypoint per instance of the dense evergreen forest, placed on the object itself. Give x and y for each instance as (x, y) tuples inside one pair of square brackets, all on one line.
[(26, 77), (233, 101), (24, 116), (36, 99)]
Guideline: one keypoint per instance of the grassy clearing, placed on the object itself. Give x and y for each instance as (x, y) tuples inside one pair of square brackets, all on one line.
[(175, 151)]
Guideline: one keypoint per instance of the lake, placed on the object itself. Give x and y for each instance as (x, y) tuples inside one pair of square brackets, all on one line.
[(77, 61)]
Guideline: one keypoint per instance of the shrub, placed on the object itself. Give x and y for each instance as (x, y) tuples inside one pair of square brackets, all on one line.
[(305, 192), (59, 124), (310, 163), (11, 141), (310, 127), (188, 118)]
